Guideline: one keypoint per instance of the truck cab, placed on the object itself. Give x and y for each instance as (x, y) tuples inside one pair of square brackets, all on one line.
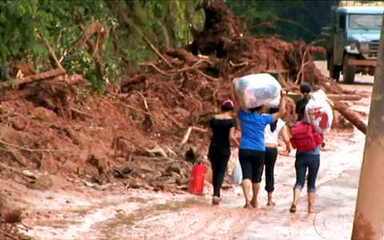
[(354, 41)]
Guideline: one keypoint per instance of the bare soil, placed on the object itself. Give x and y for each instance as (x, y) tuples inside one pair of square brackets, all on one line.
[(81, 165)]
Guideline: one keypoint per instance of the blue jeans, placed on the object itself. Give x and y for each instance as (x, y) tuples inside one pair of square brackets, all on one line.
[(304, 162)]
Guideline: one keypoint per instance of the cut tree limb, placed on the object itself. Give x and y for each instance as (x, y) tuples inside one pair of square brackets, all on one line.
[(36, 77), (350, 115), (344, 97)]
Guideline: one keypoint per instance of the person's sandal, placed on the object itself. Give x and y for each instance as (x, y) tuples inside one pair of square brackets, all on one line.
[(215, 200), (293, 208)]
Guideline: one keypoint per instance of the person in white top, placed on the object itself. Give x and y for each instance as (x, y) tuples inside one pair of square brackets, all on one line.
[(271, 133)]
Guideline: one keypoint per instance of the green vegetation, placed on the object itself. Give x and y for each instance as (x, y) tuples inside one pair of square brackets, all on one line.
[(26, 26)]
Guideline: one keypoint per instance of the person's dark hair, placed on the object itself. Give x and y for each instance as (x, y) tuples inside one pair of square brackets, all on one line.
[(273, 110), (255, 109), (305, 88), (274, 124), (227, 106)]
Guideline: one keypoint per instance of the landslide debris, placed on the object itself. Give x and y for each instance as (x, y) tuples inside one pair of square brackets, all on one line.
[(135, 133)]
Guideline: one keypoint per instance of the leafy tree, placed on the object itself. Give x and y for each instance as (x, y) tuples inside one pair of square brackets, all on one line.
[(291, 19)]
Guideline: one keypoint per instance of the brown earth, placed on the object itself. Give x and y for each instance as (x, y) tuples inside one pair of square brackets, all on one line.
[(133, 133)]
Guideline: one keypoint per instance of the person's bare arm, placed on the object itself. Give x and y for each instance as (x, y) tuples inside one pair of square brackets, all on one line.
[(282, 109), (286, 138), (233, 137)]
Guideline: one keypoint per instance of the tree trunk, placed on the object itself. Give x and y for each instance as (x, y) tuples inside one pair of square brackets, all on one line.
[(369, 214)]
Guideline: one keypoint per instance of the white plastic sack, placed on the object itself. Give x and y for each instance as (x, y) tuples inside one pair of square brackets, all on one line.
[(318, 111), (257, 89), (237, 175)]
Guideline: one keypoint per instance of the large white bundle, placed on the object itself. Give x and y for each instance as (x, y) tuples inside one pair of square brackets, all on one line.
[(318, 111), (256, 90)]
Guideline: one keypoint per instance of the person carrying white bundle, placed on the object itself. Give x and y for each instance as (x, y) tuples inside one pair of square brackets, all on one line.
[(255, 93)]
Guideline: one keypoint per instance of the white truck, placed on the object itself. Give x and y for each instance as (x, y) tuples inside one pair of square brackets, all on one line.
[(354, 40)]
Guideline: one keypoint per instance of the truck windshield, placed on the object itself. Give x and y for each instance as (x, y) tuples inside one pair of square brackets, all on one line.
[(367, 22)]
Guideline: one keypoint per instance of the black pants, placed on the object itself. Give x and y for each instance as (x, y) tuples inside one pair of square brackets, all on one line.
[(219, 161), (304, 162), (252, 164), (269, 163)]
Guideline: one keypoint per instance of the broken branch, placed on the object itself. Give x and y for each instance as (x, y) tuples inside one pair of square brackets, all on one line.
[(242, 64), (186, 136), (351, 116), (50, 50), (156, 68), (36, 77)]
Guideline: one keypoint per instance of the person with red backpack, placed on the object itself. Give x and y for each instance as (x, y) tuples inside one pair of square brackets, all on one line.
[(307, 141)]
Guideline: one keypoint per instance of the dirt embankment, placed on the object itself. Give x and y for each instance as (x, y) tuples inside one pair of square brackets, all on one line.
[(134, 133)]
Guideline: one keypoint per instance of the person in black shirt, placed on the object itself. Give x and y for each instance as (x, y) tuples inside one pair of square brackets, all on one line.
[(222, 126), (305, 89)]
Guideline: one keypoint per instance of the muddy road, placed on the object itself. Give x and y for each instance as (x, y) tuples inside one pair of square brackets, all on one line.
[(68, 212)]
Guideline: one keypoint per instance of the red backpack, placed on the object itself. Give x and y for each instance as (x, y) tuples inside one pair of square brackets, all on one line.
[(305, 137)]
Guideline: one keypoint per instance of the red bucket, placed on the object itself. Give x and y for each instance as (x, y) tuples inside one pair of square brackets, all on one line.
[(196, 181)]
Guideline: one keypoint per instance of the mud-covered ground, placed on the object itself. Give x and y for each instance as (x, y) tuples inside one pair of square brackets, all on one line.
[(74, 210)]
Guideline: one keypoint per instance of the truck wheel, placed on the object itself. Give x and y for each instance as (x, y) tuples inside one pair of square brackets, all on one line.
[(334, 72), (348, 70)]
